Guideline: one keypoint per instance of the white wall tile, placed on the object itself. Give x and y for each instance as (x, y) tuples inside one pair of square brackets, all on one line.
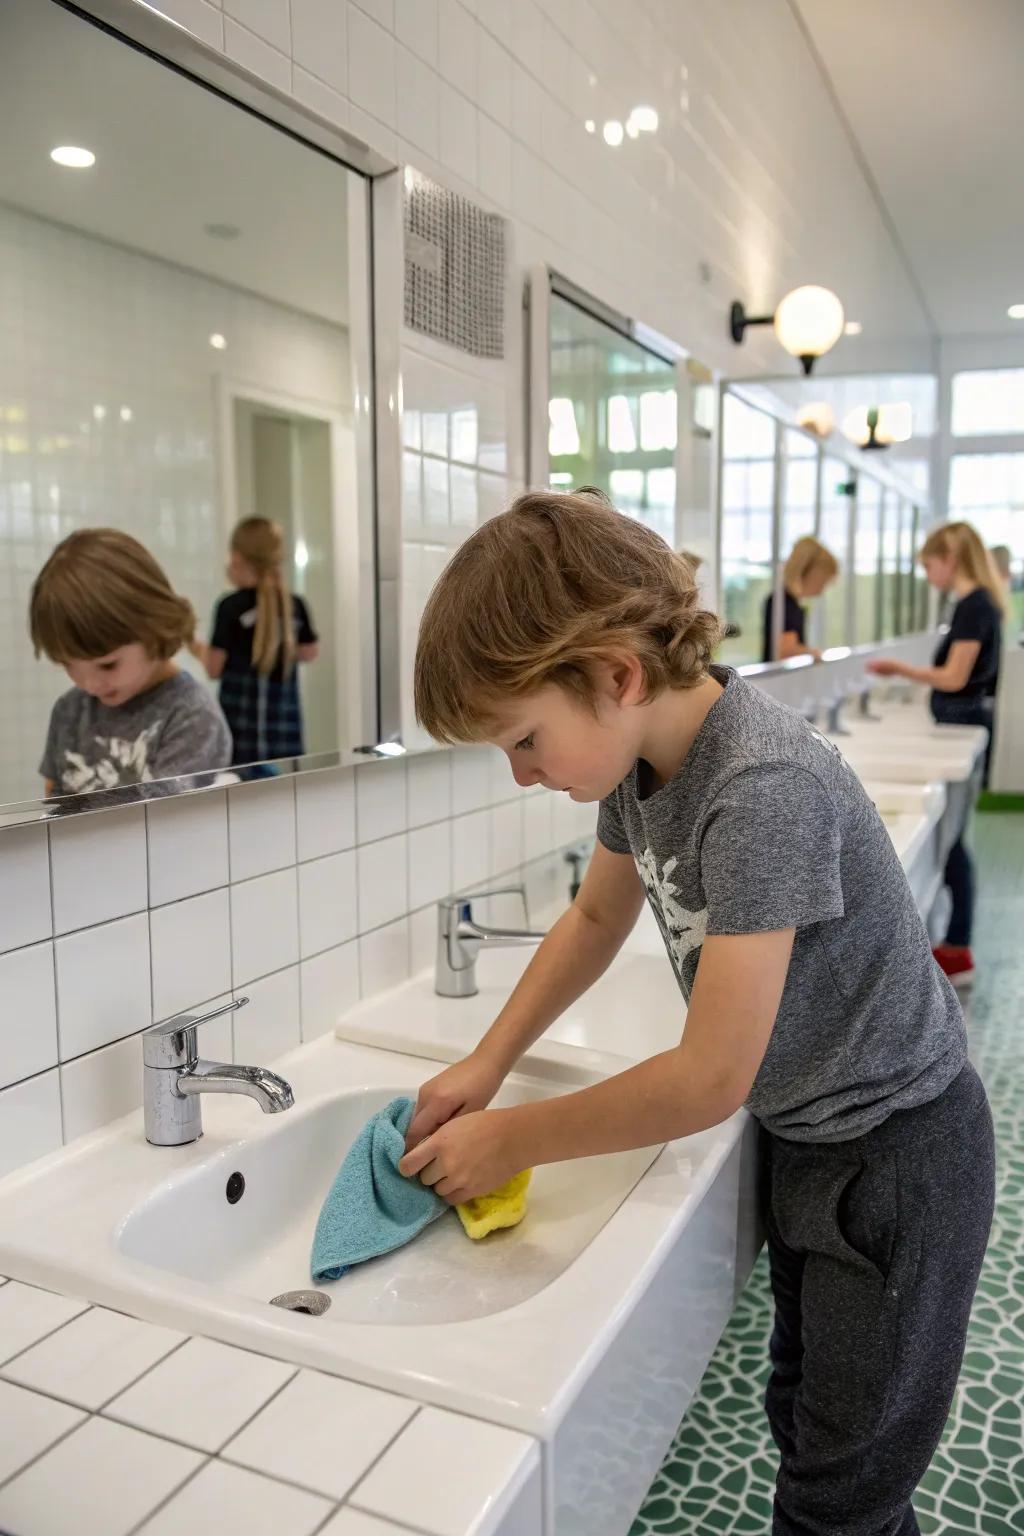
[(496, 16), (103, 984), (383, 873), (325, 805), (506, 837), (190, 943), (321, 1432), (384, 957), (527, 109), (254, 54), (422, 940), (380, 800), (371, 67), (100, 1087), (495, 79), (471, 779), (416, 27), (417, 105), (28, 1013), (457, 47), (495, 173), (267, 18), (223, 1498), (330, 986), (264, 926), (471, 849), (30, 1124), (261, 820), (430, 787), (24, 887), (271, 1023), (118, 838), (188, 845), (31, 1424), (538, 826), (319, 40), (28, 1314), (458, 134), (430, 864), (320, 98), (382, 12), (363, 125), (93, 1357), (328, 913)]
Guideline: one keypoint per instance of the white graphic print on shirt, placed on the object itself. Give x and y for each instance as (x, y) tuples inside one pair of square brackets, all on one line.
[(685, 930), (125, 762)]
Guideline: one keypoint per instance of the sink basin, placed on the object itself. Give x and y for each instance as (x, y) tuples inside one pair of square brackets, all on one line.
[(259, 1247)]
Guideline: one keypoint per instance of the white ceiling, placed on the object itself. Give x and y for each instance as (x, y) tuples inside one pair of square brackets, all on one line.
[(170, 158), (932, 93)]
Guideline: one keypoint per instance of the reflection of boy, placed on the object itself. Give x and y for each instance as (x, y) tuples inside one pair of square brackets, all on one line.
[(103, 609)]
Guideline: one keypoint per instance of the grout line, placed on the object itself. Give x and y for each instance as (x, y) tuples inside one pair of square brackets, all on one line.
[(168, 1497), (89, 1307), (56, 1000), (142, 1374), (71, 1430), (364, 1474)]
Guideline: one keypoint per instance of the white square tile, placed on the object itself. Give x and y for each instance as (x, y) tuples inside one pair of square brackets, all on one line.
[(435, 383), (101, 1086), (327, 903), (188, 845), (457, 47), (267, 18), (30, 1120), (422, 940), (471, 779), (320, 98), (404, 1484), (381, 11), (527, 186), (320, 1432), (430, 864), (31, 1423), (28, 1314), (371, 67), (463, 493), (430, 787), (435, 492), (373, 132), (330, 987), (380, 800), (492, 490), (202, 1394), (458, 134), (384, 957), (412, 494), (99, 867), (471, 850), (527, 110), (28, 1018), (24, 887), (261, 817), (319, 41), (254, 54), (383, 876), (190, 943), (99, 1481), (264, 925), (494, 92), (93, 1357), (495, 180), (506, 837), (538, 829), (222, 1498), (103, 984), (203, 20), (417, 105), (353, 1522), (271, 1023), (325, 806), (496, 16), (416, 27)]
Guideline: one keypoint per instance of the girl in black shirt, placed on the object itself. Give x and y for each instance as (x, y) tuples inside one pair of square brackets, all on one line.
[(808, 571), (963, 669)]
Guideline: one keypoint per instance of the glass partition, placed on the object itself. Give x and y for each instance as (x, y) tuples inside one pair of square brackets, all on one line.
[(799, 510), (748, 498), (829, 625), (889, 576), (867, 557)]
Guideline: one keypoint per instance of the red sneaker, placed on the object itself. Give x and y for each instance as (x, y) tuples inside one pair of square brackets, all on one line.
[(957, 962)]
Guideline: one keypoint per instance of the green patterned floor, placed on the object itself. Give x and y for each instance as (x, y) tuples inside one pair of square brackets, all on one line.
[(719, 1475)]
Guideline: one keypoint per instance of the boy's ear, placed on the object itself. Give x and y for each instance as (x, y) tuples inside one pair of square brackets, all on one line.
[(625, 679)]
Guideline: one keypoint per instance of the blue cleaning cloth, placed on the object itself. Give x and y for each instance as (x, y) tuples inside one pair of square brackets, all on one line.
[(370, 1208)]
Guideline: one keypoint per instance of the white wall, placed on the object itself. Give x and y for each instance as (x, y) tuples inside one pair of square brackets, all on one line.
[(94, 328)]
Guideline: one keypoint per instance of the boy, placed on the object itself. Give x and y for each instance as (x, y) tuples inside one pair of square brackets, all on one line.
[(102, 608), (571, 637)]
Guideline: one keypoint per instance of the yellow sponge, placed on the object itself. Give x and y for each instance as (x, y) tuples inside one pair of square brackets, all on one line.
[(504, 1207)]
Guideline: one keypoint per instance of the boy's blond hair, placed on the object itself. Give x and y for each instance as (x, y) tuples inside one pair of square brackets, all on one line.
[(808, 554), (101, 589), (541, 595)]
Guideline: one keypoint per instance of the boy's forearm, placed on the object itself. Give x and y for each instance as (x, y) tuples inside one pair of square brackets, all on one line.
[(570, 959)]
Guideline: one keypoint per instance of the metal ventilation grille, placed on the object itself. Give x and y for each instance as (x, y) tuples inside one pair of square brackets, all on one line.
[(454, 269)]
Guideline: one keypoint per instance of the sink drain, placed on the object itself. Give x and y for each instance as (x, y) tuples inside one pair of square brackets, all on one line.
[(312, 1303)]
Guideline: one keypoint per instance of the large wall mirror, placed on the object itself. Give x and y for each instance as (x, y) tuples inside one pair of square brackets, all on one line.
[(185, 360)]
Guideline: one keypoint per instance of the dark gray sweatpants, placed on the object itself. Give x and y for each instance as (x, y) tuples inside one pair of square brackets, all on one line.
[(875, 1246)]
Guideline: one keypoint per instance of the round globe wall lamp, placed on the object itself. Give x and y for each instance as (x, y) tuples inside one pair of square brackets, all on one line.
[(808, 323)]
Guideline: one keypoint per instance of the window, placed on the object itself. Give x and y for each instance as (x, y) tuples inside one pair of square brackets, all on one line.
[(837, 480), (867, 557), (890, 563), (800, 490), (748, 496), (987, 489), (988, 403)]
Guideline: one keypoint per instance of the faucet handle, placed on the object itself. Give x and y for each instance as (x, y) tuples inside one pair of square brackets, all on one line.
[(173, 1043)]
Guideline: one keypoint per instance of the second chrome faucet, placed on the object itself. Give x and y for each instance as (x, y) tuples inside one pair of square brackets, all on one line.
[(460, 938)]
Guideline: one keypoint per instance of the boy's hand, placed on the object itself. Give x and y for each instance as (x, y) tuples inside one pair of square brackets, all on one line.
[(469, 1085), (471, 1155)]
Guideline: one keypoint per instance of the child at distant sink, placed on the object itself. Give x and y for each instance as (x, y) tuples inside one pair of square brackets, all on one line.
[(572, 637)]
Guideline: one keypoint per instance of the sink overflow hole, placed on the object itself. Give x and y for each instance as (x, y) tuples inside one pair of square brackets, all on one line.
[(235, 1188), (312, 1303)]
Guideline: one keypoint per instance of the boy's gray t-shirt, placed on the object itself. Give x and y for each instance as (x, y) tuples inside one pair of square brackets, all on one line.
[(176, 727), (766, 827)]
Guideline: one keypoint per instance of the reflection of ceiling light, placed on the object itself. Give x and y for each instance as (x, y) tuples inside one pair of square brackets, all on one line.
[(301, 555), (645, 119), (613, 133), (218, 341), (632, 129), (126, 413), (816, 416), (878, 426), (99, 413), (1016, 311), (852, 328), (73, 157), (222, 231), (590, 125)]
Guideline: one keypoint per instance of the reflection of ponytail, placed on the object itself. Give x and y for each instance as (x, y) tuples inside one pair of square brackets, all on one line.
[(261, 544)]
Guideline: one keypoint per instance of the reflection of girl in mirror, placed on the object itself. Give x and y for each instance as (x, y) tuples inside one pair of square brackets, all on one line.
[(103, 609), (807, 573), (259, 633)]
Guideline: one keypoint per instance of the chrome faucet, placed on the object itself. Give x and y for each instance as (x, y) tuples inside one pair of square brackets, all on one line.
[(460, 938), (174, 1076)]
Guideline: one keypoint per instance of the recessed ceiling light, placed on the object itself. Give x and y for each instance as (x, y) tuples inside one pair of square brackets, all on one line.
[(1016, 311), (632, 129), (218, 341), (645, 118), (590, 125), (126, 413), (853, 328), (613, 133), (99, 413), (71, 155)]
